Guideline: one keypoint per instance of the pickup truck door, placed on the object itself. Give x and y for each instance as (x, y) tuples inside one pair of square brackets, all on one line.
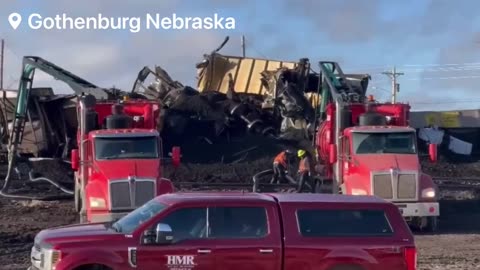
[(246, 237), (190, 250)]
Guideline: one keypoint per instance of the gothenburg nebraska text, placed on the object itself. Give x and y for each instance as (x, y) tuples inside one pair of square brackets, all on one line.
[(133, 24)]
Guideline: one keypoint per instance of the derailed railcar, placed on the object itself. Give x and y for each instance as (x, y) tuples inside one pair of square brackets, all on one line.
[(49, 127)]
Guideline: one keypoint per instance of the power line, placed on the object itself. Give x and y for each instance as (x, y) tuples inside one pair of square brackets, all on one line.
[(443, 69), (365, 68), (13, 82), (451, 64), (421, 67), (446, 102), (12, 52), (380, 89), (395, 86), (444, 78), (253, 47)]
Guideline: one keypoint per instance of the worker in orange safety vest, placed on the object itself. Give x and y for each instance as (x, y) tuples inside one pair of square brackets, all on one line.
[(304, 168), (280, 166)]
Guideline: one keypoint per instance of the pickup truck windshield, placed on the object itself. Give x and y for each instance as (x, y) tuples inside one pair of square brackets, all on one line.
[(126, 147), (384, 143), (130, 222)]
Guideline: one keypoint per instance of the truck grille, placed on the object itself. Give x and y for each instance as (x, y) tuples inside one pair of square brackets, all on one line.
[(382, 186), (126, 194), (144, 192), (407, 186), (401, 187)]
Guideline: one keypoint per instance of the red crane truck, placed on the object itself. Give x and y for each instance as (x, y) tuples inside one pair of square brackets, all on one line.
[(117, 163), (237, 231), (368, 148)]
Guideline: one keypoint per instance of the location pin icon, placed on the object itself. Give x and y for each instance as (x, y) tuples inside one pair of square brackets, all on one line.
[(15, 19)]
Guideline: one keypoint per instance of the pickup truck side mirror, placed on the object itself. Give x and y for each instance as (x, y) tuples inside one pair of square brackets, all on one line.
[(432, 152), (74, 159), (162, 235)]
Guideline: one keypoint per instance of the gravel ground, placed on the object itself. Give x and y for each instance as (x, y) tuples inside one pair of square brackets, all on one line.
[(457, 245)]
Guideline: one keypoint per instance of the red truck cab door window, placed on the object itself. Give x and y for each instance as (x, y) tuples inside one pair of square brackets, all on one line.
[(190, 249), (246, 237)]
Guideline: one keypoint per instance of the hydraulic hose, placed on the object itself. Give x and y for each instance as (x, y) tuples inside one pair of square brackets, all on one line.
[(21, 111), (256, 180), (6, 185), (257, 176)]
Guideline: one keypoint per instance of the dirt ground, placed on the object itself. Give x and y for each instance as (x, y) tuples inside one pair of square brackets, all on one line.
[(457, 245)]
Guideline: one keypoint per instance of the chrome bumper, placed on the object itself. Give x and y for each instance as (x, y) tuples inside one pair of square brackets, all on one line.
[(35, 259), (419, 209)]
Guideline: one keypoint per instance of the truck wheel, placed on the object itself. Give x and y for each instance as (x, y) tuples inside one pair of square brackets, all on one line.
[(432, 224)]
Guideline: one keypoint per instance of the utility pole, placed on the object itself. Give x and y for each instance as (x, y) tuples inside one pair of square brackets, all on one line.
[(2, 51), (395, 86), (243, 45)]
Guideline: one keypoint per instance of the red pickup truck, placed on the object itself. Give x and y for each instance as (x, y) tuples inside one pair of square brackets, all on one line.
[(237, 231)]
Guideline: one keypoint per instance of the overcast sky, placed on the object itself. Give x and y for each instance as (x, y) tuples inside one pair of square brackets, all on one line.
[(436, 43)]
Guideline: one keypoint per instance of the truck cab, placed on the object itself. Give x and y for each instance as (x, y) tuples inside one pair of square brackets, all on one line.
[(118, 166), (383, 161), (367, 147), (237, 231)]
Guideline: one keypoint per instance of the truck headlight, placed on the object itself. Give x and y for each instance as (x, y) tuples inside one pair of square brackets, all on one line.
[(97, 202), (52, 258), (428, 193)]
